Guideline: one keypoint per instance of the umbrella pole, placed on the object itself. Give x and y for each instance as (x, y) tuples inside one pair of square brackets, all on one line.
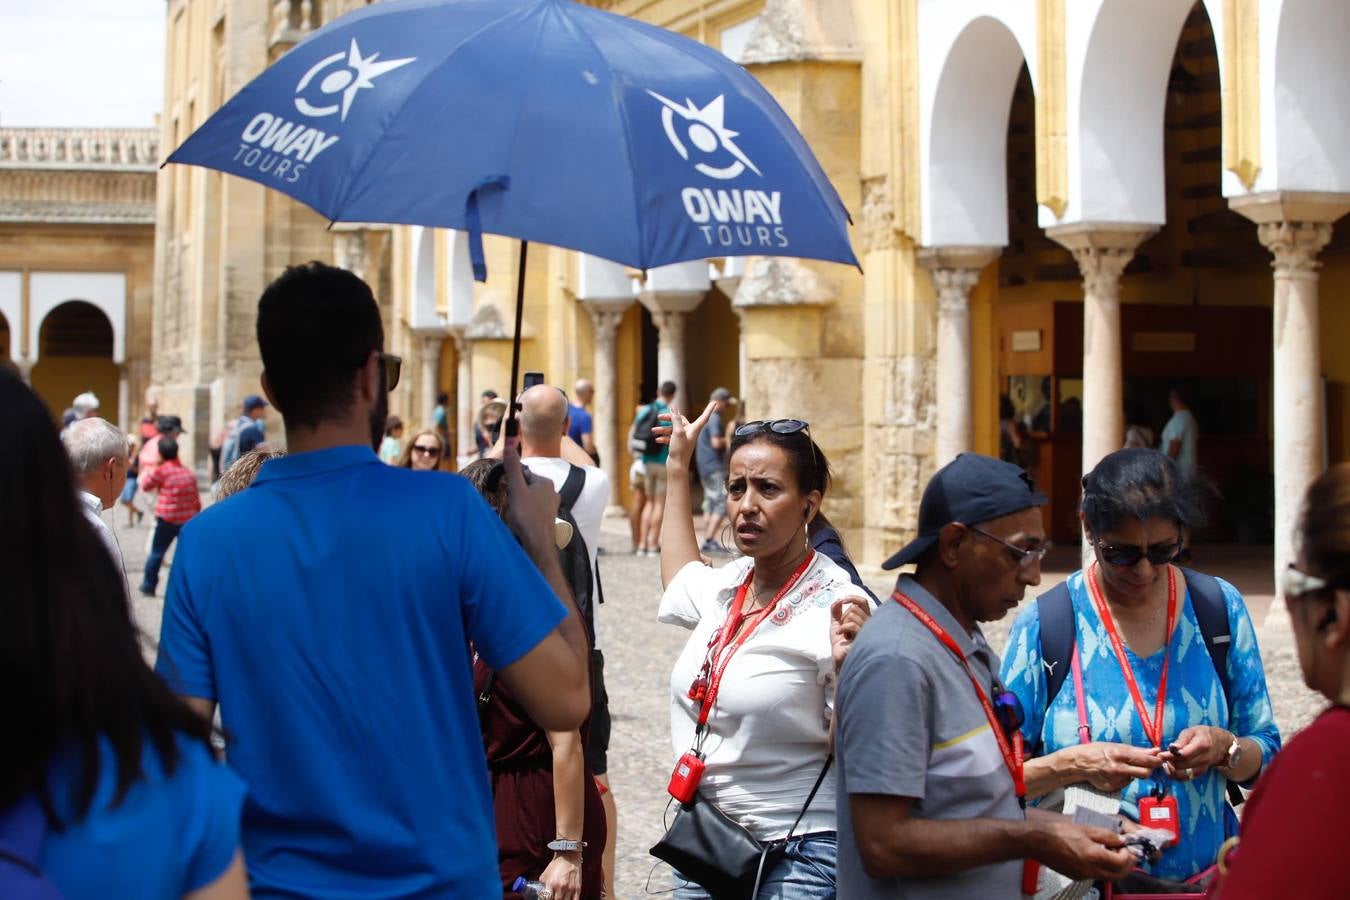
[(513, 426)]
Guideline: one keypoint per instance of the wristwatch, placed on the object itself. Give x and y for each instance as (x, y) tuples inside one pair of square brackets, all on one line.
[(1233, 756), (565, 846)]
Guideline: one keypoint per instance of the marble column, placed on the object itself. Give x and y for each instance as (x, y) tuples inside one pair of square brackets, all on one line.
[(123, 397), (955, 272), (1294, 227), (606, 318), (429, 359), (1102, 252), (670, 311), (464, 399)]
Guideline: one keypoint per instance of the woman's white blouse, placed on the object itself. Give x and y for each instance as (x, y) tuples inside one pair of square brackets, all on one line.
[(768, 731)]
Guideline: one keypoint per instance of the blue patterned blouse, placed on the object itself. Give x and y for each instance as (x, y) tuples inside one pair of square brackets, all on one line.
[(1194, 697)]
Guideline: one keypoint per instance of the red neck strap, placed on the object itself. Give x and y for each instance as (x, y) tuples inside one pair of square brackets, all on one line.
[(1012, 752), (726, 641), (1153, 729)]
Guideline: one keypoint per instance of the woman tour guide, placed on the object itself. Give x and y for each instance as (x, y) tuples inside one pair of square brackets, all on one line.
[(768, 633), (1157, 721)]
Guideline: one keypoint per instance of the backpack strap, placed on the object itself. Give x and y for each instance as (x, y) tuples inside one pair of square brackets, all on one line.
[(1055, 609), (22, 829), (571, 489), (1211, 612)]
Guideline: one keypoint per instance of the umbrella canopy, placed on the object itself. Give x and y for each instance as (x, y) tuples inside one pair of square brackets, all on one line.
[(544, 120)]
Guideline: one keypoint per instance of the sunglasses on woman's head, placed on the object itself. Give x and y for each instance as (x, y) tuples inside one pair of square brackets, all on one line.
[(777, 426), (1295, 583), (1124, 557)]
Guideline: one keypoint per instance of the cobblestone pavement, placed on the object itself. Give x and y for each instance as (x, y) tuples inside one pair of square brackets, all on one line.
[(640, 653)]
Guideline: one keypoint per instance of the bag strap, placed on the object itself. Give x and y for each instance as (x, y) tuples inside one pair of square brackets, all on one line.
[(1211, 612), (1055, 609), (571, 489), (22, 828), (820, 779)]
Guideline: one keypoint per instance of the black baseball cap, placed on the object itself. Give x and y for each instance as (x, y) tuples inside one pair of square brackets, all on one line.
[(969, 489)]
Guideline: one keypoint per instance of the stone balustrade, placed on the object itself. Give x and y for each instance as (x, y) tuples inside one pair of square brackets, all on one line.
[(118, 149)]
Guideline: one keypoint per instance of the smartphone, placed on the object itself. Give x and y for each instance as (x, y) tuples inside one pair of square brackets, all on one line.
[(533, 378)]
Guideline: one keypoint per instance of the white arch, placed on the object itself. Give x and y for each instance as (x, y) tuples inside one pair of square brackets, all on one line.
[(105, 290), (423, 311), (1119, 57), (1305, 95), (11, 304), (970, 56)]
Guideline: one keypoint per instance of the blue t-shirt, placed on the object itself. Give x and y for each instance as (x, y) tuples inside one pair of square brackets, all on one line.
[(170, 835), (337, 648), (1194, 697), (580, 422)]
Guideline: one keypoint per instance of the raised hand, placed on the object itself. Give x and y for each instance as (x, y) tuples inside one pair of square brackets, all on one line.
[(847, 617), (681, 434)]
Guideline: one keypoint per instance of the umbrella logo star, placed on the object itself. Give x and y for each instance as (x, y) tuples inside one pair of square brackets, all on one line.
[(707, 131), (360, 72)]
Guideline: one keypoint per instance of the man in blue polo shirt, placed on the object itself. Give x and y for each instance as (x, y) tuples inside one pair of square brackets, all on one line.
[(329, 610)]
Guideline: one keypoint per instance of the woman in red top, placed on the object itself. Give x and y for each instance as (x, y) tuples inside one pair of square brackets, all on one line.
[(1293, 832)]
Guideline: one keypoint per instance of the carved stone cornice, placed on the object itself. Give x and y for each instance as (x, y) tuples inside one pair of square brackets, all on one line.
[(89, 195), (781, 281), (117, 149), (1102, 251)]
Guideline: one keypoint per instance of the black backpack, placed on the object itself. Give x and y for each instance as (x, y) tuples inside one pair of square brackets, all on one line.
[(575, 558), (1058, 634), (642, 430)]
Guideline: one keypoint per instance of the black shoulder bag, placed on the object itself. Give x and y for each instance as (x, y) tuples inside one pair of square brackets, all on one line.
[(718, 854)]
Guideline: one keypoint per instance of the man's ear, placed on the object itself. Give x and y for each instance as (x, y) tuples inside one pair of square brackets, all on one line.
[(949, 543), (1338, 621), (368, 378), (269, 393)]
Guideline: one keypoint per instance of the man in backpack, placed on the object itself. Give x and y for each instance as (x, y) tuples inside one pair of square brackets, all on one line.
[(654, 463), (583, 494), (246, 432)]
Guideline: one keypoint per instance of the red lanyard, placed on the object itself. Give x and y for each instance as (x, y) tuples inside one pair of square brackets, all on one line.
[(722, 647), (1012, 754), (1153, 730)]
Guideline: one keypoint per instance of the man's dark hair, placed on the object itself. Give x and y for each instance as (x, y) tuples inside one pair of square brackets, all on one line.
[(1140, 484), (489, 394), (1182, 392), (667, 389), (442, 398), (317, 324), (168, 448), (70, 650)]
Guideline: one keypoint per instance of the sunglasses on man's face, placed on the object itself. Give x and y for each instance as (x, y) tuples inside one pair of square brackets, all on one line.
[(1124, 557), (393, 367), (777, 426)]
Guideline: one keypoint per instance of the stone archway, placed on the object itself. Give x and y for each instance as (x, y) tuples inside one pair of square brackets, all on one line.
[(75, 354), (964, 159), (1116, 168), (1309, 92)]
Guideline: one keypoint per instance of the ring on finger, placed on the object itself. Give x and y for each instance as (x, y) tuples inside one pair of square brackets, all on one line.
[(1190, 773)]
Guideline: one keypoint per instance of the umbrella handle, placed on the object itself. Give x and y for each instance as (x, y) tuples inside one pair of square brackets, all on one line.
[(512, 425)]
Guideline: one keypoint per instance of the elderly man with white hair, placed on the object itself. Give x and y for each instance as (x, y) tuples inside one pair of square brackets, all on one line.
[(98, 453)]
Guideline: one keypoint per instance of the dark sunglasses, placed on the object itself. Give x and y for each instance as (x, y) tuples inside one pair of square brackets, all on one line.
[(393, 367), (777, 426), (1008, 709), (429, 451), (1124, 557)]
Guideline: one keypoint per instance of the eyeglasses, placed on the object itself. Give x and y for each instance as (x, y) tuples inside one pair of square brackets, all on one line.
[(777, 426), (393, 367), (1008, 709), (1295, 583), (429, 451), (1024, 556), (1125, 557)]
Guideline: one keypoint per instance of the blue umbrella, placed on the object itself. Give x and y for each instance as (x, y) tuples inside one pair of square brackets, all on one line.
[(543, 120)]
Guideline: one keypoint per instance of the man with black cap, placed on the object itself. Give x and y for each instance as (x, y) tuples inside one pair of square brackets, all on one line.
[(929, 760), (246, 432)]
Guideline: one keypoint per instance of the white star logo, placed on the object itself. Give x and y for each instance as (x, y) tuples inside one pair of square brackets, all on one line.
[(359, 72), (707, 132)]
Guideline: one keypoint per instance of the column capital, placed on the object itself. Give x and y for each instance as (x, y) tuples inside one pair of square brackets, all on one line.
[(955, 272), (1295, 246), (658, 302), (1102, 251), (976, 258)]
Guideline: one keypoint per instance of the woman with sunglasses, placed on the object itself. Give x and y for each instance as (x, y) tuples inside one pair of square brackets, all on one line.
[(768, 634), (1294, 826), (1159, 727), (425, 452)]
